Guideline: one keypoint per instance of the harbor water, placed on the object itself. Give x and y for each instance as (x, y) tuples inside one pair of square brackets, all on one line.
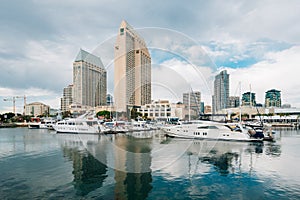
[(40, 164)]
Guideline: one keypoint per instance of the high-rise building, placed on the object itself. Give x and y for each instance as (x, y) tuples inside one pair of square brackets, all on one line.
[(221, 91), (233, 102), (194, 100), (132, 69), (67, 99), (273, 98), (109, 100), (248, 99), (89, 80)]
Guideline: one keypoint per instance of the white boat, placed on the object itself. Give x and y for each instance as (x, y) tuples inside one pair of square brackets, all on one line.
[(116, 127), (139, 126), (35, 122), (78, 126), (47, 123), (211, 131)]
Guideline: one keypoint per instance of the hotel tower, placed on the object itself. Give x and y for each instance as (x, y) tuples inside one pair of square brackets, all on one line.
[(89, 80), (132, 69)]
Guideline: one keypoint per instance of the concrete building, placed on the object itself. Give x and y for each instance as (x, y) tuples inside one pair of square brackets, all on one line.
[(193, 100), (109, 100), (132, 69), (163, 109), (37, 109), (248, 99), (221, 91), (202, 107), (67, 98), (233, 102), (207, 109), (273, 98), (89, 80)]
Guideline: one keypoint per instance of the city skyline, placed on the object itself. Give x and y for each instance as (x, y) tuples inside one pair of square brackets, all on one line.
[(38, 45)]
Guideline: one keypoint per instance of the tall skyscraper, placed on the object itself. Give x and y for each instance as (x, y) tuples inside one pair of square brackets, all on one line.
[(221, 91), (194, 100), (67, 99), (132, 69), (89, 80), (273, 98)]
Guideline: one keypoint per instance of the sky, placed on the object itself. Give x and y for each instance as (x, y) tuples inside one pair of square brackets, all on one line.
[(257, 42)]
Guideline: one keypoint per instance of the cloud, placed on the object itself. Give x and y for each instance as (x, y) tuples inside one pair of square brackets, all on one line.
[(174, 77), (278, 71)]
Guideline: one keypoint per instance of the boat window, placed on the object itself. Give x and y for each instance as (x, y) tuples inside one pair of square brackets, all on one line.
[(203, 127), (212, 127)]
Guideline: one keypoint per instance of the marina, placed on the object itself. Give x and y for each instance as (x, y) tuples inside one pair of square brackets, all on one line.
[(40, 164)]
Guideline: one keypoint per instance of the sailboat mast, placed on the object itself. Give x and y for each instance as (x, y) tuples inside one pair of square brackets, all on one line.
[(250, 97), (240, 101), (189, 106)]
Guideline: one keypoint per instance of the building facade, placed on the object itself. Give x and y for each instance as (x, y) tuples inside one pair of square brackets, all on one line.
[(233, 102), (248, 99), (273, 98), (162, 110), (67, 98), (109, 100), (132, 69), (89, 80), (192, 101), (37, 109), (221, 91)]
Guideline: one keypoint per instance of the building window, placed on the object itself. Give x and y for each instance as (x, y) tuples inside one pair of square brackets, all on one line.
[(121, 31)]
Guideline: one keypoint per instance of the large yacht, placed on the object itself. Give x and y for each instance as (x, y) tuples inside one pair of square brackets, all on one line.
[(78, 126), (213, 131)]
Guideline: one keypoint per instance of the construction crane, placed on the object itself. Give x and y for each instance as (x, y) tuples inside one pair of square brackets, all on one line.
[(13, 99)]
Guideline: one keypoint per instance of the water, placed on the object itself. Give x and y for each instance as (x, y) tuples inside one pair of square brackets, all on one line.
[(39, 164)]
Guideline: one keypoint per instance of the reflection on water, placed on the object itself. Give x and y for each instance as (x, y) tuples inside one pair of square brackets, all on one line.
[(88, 172), (145, 166)]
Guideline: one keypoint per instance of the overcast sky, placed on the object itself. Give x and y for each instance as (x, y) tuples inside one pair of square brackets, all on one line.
[(256, 41)]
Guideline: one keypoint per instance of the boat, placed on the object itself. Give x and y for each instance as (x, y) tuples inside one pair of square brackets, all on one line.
[(139, 126), (262, 128), (114, 127), (213, 131), (78, 126), (34, 123), (47, 123)]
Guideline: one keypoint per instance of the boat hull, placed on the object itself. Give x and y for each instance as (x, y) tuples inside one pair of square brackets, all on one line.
[(220, 138)]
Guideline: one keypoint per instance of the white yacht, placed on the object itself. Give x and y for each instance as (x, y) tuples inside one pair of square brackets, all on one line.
[(211, 131), (35, 122), (47, 123), (78, 126), (139, 126), (116, 127)]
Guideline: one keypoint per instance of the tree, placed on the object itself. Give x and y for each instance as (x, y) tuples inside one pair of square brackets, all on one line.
[(66, 114), (104, 113), (134, 114)]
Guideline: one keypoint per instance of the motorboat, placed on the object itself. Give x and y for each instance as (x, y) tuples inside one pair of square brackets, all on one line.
[(116, 127), (47, 123), (261, 128), (139, 126), (78, 126), (213, 131), (35, 122)]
